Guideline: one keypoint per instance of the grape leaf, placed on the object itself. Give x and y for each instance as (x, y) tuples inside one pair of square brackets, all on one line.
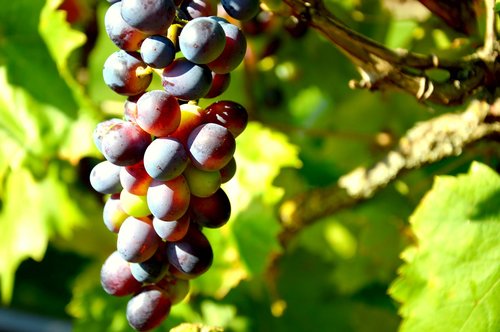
[(451, 279)]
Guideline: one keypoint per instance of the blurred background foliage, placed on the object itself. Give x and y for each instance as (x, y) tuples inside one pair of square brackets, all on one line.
[(307, 129)]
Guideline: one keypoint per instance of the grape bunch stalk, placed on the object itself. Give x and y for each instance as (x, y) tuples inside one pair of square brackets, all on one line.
[(166, 158)]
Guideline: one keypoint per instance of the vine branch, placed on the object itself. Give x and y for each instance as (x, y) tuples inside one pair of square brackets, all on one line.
[(384, 68), (427, 142)]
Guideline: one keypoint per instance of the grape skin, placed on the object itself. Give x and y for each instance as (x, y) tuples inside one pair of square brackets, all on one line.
[(158, 113), (220, 83), (135, 179), (120, 73), (148, 308), (211, 212), (137, 240), (186, 80), (105, 178), (165, 159), (119, 32), (169, 200), (234, 50), (116, 277), (158, 51), (152, 17), (172, 230), (229, 114), (241, 10), (113, 214), (202, 40)]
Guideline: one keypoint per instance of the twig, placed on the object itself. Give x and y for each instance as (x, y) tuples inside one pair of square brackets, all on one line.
[(458, 14), (425, 143)]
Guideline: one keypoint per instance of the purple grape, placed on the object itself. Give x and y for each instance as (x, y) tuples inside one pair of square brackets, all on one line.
[(227, 172), (202, 40), (199, 8), (234, 50), (192, 255), (172, 230), (152, 17), (122, 34), (241, 10), (186, 80), (165, 159), (169, 200), (152, 269), (211, 146), (212, 212), (124, 143), (148, 308), (116, 278), (158, 51), (220, 83), (101, 129), (158, 113), (229, 114), (135, 179), (105, 178), (137, 240), (120, 73)]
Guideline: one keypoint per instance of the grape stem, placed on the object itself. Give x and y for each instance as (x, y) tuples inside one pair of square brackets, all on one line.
[(384, 68), (425, 143)]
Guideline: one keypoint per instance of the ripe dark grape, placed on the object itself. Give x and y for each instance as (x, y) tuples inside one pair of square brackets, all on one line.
[(233, 52), (152, 17), (192, 255), (105, 178), (211, 212), (116, 278), (169, 200), (152, 269), (135, 179), (137, 240), (130, 108), (186, 80), (101, 129), (158, 51), (158, 113), (172, 230), (202, 40), (165, 159), (229, 114), (113, 214), (122, 73), (120, 32), (220, 83), (211, 146), (227, 172), (124, 143), (148, 308), (241, 9)]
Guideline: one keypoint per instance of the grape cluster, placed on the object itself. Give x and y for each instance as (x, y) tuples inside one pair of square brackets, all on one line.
[(166, 158)]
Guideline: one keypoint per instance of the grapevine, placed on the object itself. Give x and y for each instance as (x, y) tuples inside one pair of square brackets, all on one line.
[(166, 158)]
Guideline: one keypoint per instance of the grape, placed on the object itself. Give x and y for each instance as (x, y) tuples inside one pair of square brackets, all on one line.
[(137, 240), (105, 178), (101, 129), (199, 8), (192, 255), (158, 51), (229, 114), (153, 269), (113, 214), (172, 230), (191, 117), (124, 143), (202, 183), (116, 278), (165, 159), (134, 205), (122, 34), (202, 40), (135, 179), (186, 80), (234, 50), (148, 308), (220, 83), (227, 172), (242, 10), (158, 113), (120, 73), (212, 212), (130, 108), (152, 17), (211, 146), (177, 289), (169, 200)]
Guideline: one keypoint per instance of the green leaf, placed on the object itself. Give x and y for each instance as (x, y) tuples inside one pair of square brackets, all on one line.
[(451, 279)]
